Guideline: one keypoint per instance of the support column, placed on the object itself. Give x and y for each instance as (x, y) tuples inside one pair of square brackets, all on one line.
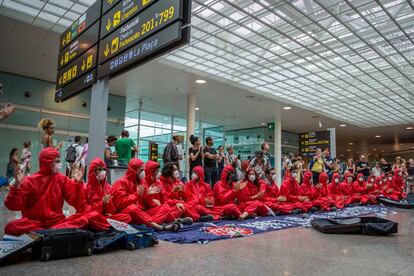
[(191, 105), (332, 134), (278, 146), (98, 119)]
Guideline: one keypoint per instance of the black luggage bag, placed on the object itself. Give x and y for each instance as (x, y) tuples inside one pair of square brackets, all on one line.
[(373, 226), (407, 203), (63, 243)]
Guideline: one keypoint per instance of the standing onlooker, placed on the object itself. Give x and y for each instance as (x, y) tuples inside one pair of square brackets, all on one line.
[(385, 166), (410, 175), (196, 154), (210, 162), (180, 152), (363, 167), (123, 148), (48, 126), (329, 163), (316, 165), (13, 164), (301, 168), (26, 158), (73, 153), (398, 163), (266, 151), (109, 156), (376, 170), (220, 161), (259, 164), (350, 167), (230, 157), (170, 154)]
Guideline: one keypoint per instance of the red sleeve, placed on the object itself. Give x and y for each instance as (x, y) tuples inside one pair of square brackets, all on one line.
[(357, 189), (223, 195), (109, 208), (190, 197), (75, 194), (208, 193), (305, 191), (16, 198), (285, 191), (121, 198)]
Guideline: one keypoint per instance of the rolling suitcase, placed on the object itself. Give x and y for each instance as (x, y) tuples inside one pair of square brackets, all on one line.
[(143, 239), (63, 243), (109, 239), (361, 225)]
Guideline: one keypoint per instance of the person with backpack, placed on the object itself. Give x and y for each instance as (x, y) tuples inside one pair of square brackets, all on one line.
[(170, 154), (73, 152)]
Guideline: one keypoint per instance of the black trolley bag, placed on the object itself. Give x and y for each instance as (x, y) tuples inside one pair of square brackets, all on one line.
[(407, 203), (373, 226), (63, 243)]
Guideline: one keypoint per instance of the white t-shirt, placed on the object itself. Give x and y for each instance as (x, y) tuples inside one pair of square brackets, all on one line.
[(180, 154)]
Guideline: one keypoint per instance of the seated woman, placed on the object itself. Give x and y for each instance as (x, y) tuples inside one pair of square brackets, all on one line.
[(307, 190), (250, 192), (392, 190), (321, 194), (40, 197), (225, 193), (399, 181), (346, 188), (372, 187), (272, 197), (335, 191), (99, 199), (128, 193), (360, 192)]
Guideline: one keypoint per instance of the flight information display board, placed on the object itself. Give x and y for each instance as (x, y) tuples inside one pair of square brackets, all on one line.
[(114, 36), (310, 141)]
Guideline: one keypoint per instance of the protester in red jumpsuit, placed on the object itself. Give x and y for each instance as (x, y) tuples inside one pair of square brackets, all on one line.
[(360, 191), (392, 189), (225, 193), (128, 194), (321, 195), (346, 188), (308, 190), (399, 182), (200, 195), (296, 202), (372, 186), (99, 199), (272, 197), (335, 191), (40, 197)]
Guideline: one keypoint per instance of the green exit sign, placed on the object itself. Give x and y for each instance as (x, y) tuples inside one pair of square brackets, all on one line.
[(271, 126)]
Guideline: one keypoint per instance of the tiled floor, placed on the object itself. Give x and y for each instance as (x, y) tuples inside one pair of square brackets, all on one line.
[(295, 251)]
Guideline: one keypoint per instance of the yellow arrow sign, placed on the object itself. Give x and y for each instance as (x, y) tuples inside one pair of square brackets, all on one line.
[(110, 2), (83, 65), (61, 61), (108, 25), (106, 51)]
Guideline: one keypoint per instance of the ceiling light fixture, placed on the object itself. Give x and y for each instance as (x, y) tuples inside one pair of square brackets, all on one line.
[(197, 109), (342, 125), (287, 108), (351, 144), (409, 128), (201, 81), (348, 150), (377, 136)]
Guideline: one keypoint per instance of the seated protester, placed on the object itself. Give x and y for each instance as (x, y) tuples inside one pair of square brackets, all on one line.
[(360, 192), (272, 199), (382, 182), (174, 192), (371, 185), (391, 189), (399, 180), (321, 194), (40, 197), (99, 199), (307, 189), (345, 188), (225, 193), (156, 196), (250, 192), (335, 191), (296, 202), (200, 195), (128, 194)]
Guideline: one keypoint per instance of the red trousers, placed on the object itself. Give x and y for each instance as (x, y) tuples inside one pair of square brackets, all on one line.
[(164, 213), (254, 207), (219, 211), (99, 221)]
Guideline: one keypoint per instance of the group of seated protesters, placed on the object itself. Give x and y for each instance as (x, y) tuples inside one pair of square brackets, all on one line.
[(157, 198)]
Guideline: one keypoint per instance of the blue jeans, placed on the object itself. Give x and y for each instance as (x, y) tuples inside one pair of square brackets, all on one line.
[(211, 175)]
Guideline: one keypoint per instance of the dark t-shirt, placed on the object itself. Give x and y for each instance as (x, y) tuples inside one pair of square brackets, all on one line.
[(386, 168), (197, 161), (210, 163), (363, 165), (410, 170)]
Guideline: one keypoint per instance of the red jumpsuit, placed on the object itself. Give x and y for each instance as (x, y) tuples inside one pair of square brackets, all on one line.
[(97, 210), (290, 189), (127, 200), (151, 207), (225, 195), (198, 191), (345, 188), (360, 192), (335, 192), (40, 198), (271, 195), (244, 197), (392, 188), (375, 190), (321, 196)]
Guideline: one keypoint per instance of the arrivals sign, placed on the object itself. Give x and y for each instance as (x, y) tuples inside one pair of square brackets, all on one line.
[(113, 36), (310, 141)]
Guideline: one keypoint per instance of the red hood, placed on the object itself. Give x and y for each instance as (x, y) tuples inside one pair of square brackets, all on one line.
[(372, 177), (335, 176), (358, 176), (133, 166), (307, 176), (244, 165), (200, 172), (226, 170), (94, 187), (323, 178), (150, 168), (46, 158), (97, 162)]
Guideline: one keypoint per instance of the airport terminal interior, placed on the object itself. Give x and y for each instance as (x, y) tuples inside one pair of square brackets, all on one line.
[(207, 137)]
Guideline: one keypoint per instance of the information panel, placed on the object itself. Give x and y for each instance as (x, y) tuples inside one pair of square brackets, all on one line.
[(310, 141), (158, 16), (80, 25), (121, 13), (76, 87)]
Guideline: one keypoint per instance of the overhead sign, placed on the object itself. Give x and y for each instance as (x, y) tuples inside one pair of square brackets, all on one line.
[(156, 17), (169, 39), (77, 68), (75, 87), (81, 25), (153, 151), (121, 13), (79, 46), (310, 141)]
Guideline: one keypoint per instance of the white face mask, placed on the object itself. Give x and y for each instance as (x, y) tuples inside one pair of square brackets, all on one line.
[(400, 173), (372, 180), (294, 175), (58, 167), (361, 179), (349, 179), (176, 174), (141, 175), (252, 178), (102, 175), (384, 180), (194, 176), (337, 180), (390, 178)]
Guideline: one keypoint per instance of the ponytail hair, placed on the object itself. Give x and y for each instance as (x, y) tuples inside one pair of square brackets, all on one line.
[(45, 124), (193, 139)]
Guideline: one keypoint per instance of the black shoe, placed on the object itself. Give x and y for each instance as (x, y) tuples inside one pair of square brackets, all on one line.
[(357, 204), (185, 221), (313, 210), (334, 209), (206, 218), (296, 212), (227, 217)]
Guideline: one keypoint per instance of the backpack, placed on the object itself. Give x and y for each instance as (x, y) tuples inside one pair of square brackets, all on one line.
[(71, 154)]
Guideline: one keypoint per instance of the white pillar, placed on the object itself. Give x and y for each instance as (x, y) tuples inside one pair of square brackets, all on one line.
[(278, 146), (98, 118), (332, 134), (191, 105)]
